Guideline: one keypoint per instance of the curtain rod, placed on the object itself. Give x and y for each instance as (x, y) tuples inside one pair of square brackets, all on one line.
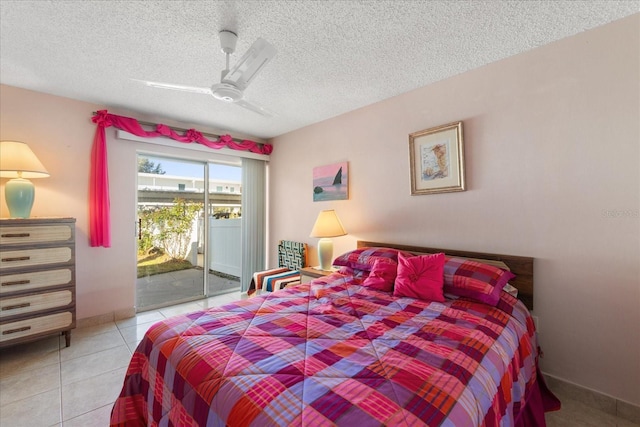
[(175, 128)]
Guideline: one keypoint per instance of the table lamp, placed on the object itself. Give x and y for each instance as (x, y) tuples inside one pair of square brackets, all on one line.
[(327, 225), (17, 161)]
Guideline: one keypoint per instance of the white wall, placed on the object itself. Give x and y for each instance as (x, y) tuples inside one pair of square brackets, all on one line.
[(552, 162)]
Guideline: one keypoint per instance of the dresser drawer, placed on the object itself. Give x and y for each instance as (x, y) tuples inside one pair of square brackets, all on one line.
[(35, 325), (37, 302), (34, 257), (34, 280), (35, 234)]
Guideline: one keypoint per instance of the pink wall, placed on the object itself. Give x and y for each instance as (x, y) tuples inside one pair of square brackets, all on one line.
[(60, 133), (552, 149)]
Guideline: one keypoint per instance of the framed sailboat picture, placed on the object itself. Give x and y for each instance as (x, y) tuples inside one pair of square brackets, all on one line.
[(331, 182)]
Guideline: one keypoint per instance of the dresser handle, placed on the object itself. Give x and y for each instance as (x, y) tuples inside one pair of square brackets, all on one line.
[(16, 235), (20, 258), (13, 331), (17, 282), (13, 307)]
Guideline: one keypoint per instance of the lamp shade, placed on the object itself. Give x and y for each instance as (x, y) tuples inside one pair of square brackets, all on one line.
[(327, 225), (18, 161)]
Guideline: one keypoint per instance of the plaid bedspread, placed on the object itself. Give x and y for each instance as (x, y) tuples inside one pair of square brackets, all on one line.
[(333, 353)]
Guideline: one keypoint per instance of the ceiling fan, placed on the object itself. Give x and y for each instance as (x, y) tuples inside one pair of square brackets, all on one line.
[(233, 81)]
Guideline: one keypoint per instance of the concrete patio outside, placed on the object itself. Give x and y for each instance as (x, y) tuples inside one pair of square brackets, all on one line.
[(178, 286)]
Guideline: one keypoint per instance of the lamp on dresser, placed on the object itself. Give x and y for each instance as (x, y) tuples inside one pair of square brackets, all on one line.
[(327, 225), (18, 162)]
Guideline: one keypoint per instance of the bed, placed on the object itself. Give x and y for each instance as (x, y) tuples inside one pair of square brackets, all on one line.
[(341, 351)]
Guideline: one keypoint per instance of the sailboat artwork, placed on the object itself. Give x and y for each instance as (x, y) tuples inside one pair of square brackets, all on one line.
[(331, 182), (338, 178)]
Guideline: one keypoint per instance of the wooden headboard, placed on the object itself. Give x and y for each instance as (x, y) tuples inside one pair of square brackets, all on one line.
[(521, 266)]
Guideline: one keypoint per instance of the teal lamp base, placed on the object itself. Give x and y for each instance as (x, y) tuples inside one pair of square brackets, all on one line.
[(19, 194)]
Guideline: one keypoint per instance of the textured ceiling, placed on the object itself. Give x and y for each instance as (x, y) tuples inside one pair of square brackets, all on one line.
[(333, 56)]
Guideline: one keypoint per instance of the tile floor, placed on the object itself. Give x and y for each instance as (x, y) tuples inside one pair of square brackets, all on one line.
[(47, 384), (577, 414)]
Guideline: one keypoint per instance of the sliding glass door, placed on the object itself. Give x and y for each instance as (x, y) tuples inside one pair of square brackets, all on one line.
[(171, 201), (189, 229)]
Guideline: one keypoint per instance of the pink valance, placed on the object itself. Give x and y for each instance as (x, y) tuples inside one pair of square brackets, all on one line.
[(99, 219)]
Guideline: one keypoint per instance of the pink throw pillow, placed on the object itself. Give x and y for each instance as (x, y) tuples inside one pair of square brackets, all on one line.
[(420, 277), (382, 275)]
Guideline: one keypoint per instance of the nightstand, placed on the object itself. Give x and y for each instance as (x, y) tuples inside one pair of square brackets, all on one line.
[(307, 274)]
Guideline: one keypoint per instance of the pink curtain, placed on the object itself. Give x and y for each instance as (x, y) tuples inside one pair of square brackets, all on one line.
[(99, 219)]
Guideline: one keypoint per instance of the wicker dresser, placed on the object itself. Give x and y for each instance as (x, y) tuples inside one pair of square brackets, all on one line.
[(37, 279)]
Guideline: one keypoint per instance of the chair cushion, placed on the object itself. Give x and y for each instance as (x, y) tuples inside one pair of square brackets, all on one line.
[(292, 255)]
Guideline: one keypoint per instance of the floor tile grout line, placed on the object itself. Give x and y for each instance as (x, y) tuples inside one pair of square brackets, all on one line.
[(88, 412), (94, 375), (112, 346), (31, 396), (6, 376), (61, 412), (84, 413), (139, 324)]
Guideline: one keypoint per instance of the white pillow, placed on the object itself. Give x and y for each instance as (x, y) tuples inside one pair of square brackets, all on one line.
[(510, 290)]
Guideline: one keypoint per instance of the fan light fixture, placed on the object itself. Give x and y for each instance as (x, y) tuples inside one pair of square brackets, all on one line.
[(17, 161), (327, 225)]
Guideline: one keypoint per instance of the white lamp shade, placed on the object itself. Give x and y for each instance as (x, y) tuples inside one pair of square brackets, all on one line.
[(327, 225), (18, 161)]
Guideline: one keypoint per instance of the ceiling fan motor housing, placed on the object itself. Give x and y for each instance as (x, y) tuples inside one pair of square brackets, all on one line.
[(226, 92)]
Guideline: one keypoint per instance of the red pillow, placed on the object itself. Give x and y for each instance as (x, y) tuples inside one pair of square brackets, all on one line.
[(357, 274), (420, 277), (363, 258), (382, 275), (475, 280)]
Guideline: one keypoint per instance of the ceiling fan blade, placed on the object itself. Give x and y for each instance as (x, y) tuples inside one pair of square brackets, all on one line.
[(254, 107), (183, 88), (243, 73)]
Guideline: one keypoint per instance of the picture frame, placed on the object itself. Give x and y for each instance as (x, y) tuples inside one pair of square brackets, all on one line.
[(436, 159), (331, 182)]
